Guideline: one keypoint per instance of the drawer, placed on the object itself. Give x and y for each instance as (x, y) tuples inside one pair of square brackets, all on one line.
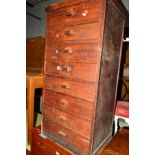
[(79, 13), (39, 145), (66, 137), (68, 121), (36, 151), (80, 108), (76, 89), (42, 146), (73, 52), (74, 33), (83, 71)]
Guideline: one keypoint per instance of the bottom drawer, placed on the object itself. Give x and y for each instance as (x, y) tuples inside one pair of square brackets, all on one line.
[(35, 151), (42, 146), (66, 137), (39, 145)]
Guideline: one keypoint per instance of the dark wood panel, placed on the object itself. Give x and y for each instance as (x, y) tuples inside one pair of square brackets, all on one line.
[(75, 14), (76, 89), (83, 71), (66, 137), (112, 42), (34, 53), (80, 108)]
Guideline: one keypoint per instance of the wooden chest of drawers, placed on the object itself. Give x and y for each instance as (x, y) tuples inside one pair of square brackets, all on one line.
[(82, 60)]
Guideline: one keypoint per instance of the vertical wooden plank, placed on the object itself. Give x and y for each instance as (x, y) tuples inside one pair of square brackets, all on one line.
[(109, 71)]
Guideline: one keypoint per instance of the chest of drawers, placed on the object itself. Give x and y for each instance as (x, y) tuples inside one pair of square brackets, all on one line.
[(82, 59)]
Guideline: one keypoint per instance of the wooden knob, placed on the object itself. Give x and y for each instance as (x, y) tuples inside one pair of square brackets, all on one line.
[(66, 86), (62, 118), (61, 133), (63, 102), (57, 51), (69, 32)]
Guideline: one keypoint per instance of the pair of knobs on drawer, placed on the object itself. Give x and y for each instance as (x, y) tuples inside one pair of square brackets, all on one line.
[(72, 13)]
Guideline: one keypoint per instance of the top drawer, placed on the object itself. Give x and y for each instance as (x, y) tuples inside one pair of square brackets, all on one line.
[(79, 13)]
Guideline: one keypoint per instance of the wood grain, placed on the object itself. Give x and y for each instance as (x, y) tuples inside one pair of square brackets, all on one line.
[(77, 107), (76, 89)]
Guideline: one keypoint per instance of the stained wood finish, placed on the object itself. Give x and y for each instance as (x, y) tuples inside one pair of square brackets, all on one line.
[(82, 58), (73, 33), (66, 137), (76, 89), (34, 54), (83, 71), (73, 52), (67, 120), (33, 81), (44, 146), (78, 13), (77, 107)]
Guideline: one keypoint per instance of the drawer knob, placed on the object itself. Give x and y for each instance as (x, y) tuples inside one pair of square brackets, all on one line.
[(66, 86), (69, 33), (70, 13), (57, 35), (41, 146), (66, 51), (62, 118), (61, 133), (63, 102), (64, 68), (56, 51)]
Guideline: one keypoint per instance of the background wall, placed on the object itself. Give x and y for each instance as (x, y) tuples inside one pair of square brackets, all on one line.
[(35, 27)]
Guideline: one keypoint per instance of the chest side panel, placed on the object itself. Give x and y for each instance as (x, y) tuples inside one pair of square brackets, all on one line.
[(109, 70)]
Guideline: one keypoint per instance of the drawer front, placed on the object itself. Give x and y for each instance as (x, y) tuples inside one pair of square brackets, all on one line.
[(39, 144), (76, 89), (72, 105), (66, 137), (73, 52), (36, 151), (67, 120), (78, 13), (74, 33), (83, 71)]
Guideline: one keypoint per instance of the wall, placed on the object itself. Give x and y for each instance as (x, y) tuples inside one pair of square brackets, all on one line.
[(35, 27)]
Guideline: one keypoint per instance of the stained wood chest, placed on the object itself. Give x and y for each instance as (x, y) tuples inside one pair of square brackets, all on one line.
[(83, 46)]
